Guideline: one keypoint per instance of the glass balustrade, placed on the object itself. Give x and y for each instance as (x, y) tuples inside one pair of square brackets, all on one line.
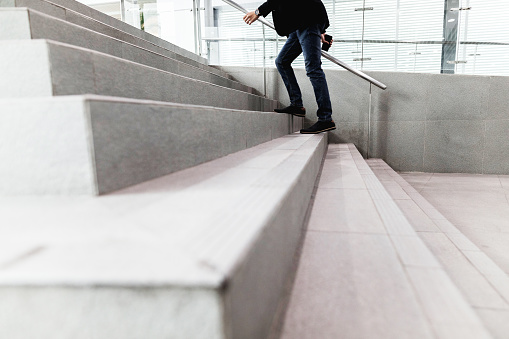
[(171, 20), (436, 36)]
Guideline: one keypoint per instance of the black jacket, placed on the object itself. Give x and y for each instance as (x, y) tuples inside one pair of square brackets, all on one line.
[(291, 15)]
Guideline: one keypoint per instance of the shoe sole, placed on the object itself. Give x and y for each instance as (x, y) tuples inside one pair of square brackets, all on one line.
[(323, 130)]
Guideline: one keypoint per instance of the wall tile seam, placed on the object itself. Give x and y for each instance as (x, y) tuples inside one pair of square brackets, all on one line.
[(424, 146), (460, 120), (484, 150), (400, 120)]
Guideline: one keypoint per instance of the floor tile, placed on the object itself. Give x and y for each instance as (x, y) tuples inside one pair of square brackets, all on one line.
[(345, 210), (497, 321), (413, 252), (419, 220), (352, 286), (477, 289), (446, 307)]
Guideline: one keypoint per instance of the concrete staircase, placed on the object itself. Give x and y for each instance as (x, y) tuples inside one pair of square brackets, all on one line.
[(201, 248), (367, 270), (103, 106), (484, 285), (200, 253), (150, 195)]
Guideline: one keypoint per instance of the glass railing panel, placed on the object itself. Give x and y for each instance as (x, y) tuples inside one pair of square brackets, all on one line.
[(394, 33), (231, 42), (418, 57), (380, 25), (448, 36), (419, 35), (346, 19), (483, 38), (111, 8), (171, 20)]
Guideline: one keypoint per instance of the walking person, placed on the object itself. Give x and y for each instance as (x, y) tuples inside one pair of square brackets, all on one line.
[(304, 22)]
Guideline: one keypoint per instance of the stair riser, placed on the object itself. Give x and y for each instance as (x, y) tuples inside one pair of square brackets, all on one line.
[(77, 13), (39, 68), (265, 272), (243, 269), (72, 146), (127, 313), (34, 25)]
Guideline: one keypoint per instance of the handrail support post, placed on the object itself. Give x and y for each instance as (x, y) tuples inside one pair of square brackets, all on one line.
[(369, 119)]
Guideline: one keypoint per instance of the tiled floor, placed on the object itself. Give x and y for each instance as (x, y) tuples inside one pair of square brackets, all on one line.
[(478, 205), (363, 270)]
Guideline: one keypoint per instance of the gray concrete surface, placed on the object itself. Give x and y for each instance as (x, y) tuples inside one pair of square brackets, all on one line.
[(201, 253), (88, 145), (482, 282), (41, 26), (422, 122), (476, 204), (359, 279), (27, 65)]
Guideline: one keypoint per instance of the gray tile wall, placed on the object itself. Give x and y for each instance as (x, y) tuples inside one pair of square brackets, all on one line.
[(422, 122)]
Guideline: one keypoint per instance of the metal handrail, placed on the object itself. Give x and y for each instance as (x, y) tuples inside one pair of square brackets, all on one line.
[(325, 54), (407, 42)]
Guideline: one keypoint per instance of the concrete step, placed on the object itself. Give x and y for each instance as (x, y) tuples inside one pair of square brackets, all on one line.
[(32, 68), (23, 23), (82, 15), (483, 283), (364, 272), (88, 145), (201, 253)]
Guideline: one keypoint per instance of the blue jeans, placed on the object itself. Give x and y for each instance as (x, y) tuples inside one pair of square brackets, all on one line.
[(307, 41)]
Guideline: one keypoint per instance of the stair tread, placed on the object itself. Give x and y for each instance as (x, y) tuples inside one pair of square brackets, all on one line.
[(351, 271), (476, 275), (101, 144), (191, 227)]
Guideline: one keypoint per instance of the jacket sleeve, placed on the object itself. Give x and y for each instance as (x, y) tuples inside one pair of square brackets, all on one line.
[(267, 7)]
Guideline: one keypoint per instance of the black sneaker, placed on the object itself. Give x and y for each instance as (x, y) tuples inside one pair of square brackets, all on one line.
[(319, 127), (293, 110)]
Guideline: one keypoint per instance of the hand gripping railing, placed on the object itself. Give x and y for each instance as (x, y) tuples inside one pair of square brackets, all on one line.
[(325, 54)]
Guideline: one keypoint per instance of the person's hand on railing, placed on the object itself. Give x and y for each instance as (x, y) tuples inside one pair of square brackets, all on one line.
[(250, 17)]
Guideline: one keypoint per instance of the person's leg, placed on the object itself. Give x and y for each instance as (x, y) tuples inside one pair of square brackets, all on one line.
[(290, 51), (310, 41)]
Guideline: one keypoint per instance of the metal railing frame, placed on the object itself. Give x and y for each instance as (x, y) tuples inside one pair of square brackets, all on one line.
[(338, 62), (324, 54)]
